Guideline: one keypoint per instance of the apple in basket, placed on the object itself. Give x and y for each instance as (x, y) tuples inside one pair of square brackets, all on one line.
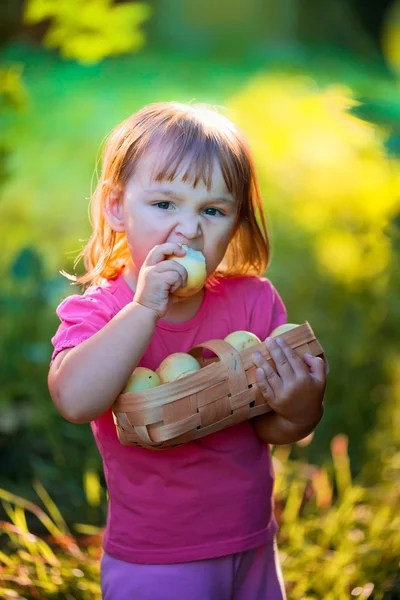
[(177, 365), (141, 379), (241, 340), (282, 328), (195, 265)]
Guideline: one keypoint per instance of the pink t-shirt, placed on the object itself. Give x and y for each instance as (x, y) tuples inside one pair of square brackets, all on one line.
[(204, 499)]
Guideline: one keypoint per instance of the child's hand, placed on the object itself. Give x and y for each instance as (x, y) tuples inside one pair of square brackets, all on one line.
[(158, 278), (296, 391)]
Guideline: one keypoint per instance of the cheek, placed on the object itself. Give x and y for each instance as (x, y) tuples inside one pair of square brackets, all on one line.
[(143, 233), (217, 251), (224, 239), (144, 221)]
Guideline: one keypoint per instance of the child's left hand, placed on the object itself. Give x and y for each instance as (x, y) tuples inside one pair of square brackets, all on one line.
[(296, 390)]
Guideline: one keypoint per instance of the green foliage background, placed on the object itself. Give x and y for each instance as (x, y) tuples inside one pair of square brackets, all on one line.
[(324, 126)]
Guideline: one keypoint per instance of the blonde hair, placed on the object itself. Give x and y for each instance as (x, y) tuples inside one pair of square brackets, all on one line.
[(201, 134)]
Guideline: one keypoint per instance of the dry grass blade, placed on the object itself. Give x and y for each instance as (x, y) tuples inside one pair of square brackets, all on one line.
[(58, 536), (51, 507)]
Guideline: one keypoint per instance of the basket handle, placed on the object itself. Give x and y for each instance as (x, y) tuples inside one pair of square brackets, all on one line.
[(230, 358)]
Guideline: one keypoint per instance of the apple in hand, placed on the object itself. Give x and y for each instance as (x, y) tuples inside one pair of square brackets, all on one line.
[(241, 340), (177, 365), (195, 265)]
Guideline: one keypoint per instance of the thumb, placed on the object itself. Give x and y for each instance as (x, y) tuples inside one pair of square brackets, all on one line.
[(318, 367)]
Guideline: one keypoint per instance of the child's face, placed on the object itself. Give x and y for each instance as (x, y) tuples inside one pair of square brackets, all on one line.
[(175, 211)]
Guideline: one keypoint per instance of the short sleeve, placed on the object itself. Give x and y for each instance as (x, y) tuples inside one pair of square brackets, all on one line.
[(269, 310), (81, 317)]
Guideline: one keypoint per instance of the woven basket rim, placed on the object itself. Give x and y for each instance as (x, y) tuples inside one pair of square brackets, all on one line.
[(194, 382)]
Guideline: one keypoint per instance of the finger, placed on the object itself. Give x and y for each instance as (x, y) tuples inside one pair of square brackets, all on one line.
[(160, 252), (317, 367), (326, 364), (281, 361), (295, 361), (271, 376), (172, 265), (174, 280), (263, 384)]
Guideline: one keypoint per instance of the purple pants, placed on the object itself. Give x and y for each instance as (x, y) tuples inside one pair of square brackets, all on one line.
[(251, 575)]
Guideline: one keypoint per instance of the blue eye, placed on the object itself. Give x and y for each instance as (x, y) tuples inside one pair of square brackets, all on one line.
[(165, 205), (216, 211)]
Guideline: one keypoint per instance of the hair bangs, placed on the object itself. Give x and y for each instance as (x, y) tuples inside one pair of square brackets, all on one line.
[(192, 154)]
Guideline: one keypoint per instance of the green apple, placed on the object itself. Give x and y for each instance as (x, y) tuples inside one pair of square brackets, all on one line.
[(282, 328), (195, 265), (241, 340), (141, 379), (177, 365)]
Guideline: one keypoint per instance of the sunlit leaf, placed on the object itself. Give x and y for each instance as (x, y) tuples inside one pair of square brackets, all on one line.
[(90, 30)]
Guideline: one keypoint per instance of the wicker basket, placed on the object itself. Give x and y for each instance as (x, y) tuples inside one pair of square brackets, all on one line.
[(222, 393)]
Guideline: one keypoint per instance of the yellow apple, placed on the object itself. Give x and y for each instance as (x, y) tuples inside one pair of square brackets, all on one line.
[(282, 328), (241, 340), (142, 379), (195, 265), (176, 366)]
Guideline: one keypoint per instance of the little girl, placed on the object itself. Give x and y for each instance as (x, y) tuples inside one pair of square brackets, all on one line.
[(196, 521)]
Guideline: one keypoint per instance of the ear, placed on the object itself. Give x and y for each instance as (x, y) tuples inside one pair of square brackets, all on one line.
[(113, 209)]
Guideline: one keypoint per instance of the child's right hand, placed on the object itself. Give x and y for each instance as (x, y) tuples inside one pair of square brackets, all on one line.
[(159, 278)]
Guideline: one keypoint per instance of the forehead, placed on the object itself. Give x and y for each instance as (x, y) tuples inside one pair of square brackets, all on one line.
[(157, 166)]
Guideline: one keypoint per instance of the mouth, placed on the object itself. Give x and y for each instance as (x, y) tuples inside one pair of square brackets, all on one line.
[(192, 248), (193, 251)]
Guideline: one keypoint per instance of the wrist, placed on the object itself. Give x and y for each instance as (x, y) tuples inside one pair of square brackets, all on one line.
[(275, 429), (308, 425), (148, 313)]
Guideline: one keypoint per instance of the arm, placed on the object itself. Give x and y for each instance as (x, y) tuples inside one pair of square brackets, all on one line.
[(85, 380), (275, 429)]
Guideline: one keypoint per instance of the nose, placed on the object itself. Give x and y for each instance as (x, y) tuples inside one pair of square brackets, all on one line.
[(188, 226)]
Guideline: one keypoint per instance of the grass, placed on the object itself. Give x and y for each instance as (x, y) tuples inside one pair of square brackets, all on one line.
[(52, 565), (338, 538)]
